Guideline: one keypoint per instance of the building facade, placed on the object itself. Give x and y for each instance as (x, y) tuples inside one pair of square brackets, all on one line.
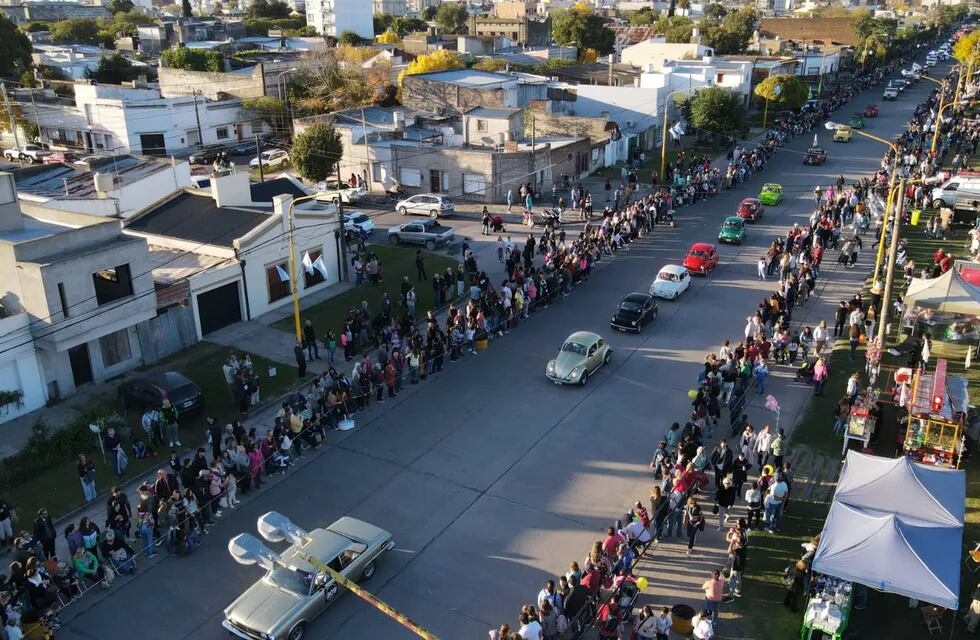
[(333, 17)]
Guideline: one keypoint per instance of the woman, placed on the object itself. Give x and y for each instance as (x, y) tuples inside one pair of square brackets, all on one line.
[(90, 534), (548, 617), (86, 475), (820, 373), (693, 521), (659, 509), (703, 627), (646, 626), (725, 499), (805, 341), (87, 566)]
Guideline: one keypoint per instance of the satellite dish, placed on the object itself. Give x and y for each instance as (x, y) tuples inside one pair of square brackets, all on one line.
[(94, 427), (276, 527), (247, 549)]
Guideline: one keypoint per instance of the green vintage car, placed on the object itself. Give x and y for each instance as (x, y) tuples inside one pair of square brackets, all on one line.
[(771, 194), (856, 121), (732, 230)]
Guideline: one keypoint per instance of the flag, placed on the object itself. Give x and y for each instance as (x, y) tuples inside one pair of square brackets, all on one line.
[(320, 266), (307, 263), (283, 276)]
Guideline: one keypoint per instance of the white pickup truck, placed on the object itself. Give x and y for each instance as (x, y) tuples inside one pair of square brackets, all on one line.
[(31, 152)]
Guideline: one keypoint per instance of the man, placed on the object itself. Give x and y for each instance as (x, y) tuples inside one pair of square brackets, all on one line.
[(45, 533), (530, 627), (300, 359), (309, 337), (773, 503), (420, 265), (637, 533), (611, 543), (778, 449), (150, 421), (721, 461), (215, 433), (550, 594)]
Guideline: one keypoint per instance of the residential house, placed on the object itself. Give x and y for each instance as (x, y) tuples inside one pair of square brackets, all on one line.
[(76, 61), (232, 249), (119, 119), (156, 38), (427, 41), (655, 51), (809, 30), (333, 17), (614, 75), (24, 12), (686, 76), (83, 287), (459, 90), (397, 8), (526, 31), (482, 45), (117, 186)]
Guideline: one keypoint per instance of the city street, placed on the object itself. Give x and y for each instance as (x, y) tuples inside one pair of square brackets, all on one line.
[(491, 478)]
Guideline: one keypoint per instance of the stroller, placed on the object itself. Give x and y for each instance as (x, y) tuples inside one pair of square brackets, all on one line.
[(497, 224), (805, 372)]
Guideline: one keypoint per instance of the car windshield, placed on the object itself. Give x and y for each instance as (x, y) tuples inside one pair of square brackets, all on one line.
[(731, 224), (573, 347), (699, 254), (291, 579), (359, 219), (626, 305), (666, 276)]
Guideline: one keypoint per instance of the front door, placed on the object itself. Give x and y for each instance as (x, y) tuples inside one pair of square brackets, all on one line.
[(81, 366), (435, 181)]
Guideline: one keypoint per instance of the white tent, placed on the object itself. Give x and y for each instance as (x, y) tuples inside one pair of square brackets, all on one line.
[(896, 526), (949, 292)]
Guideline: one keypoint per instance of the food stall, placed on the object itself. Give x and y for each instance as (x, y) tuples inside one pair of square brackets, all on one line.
[(934, 432), (828, 608), (863, 421)]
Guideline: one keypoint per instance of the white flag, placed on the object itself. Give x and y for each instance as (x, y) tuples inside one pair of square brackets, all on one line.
[(283, 276), (321, 267), (307, 263)]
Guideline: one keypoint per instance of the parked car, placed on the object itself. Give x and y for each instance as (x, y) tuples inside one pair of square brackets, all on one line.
[(843, 133), (434, 205), (732, 230), (771, 194), (329, 191), (671, 282), (815, 156), (208, 155), (270, 159), (701, 258), (31, 153), (59, 157), (871, 111), (153, 389), (358, 221), (634, 312), (428, 233), (288, 598), (580, 356)]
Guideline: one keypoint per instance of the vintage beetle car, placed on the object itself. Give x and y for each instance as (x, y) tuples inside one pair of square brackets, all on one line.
[(732, 230), (580, 356), (634, 312), (815, 155)]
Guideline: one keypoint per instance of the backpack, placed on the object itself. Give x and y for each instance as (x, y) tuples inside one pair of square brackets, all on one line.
[(561, 623)]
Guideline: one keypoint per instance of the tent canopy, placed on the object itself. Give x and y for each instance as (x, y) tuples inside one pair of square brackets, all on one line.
[(896, 526), (950, 292)]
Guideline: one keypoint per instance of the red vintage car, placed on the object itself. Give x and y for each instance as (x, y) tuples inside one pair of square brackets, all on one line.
[(751, 209), (701, 258), (59, 157), (871, 111), (815, 156)]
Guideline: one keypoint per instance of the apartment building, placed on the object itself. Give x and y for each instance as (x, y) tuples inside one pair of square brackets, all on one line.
[(333, 17)]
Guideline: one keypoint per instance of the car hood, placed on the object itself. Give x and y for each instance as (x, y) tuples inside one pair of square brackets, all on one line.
[(693, 261), (565, 362), (624, 314), (730, 233), (263, 607)]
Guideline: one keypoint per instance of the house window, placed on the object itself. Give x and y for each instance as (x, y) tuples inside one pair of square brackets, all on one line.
[(315, 278), (474, 183), (63, 299), (115, 347), (278, 288), (221, 133), (481, 126), (114, 283)]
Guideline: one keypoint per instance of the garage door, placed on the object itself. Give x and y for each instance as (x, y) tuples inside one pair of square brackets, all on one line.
[(152, 144), (219, 308)]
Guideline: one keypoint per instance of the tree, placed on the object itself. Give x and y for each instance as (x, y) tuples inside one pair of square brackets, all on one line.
[(734, 33), (675, 28), (441, 60), (268, 9), (31, 27), (193, 59), (714, 13), (185, 8), (125, 23), (716, 110), (490, 64), (783, 91), (316, 151), (76, 31), (271, 111), (114, 69), (333, 80), (382, 22), (451, 17), (965, 49), (27, 79), (15, 49), (389, 37), (584, 30), (121, 6), (429, 13), (643, 17), (349, 37), (404, 26)]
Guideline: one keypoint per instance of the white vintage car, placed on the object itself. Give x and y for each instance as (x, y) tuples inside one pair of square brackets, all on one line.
[(671, 282)]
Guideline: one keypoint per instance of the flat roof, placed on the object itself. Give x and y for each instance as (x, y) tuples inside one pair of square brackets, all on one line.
[(488, 112), (33, 229), (468, 77), (198, 219), (74, 181), (264, 191), (170, 265)]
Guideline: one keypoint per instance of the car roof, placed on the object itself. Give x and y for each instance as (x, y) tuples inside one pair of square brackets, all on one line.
[(167, 380), (750, 201), (323, 544), (675, 269), (734, 219), (637, 296), (701, 246), (771, 185), (583, 337)]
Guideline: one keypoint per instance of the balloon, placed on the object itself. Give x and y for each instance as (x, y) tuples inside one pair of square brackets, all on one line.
[(768, 469), (693, 393), (641, 583)]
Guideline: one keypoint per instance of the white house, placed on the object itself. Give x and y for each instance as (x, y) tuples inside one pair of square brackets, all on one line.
[(75, 61), (118, 119), (333, 17), (655, 51)]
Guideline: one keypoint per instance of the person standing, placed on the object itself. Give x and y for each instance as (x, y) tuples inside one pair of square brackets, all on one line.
[(721, 462), (510, 199), (300, 359), (725, 500), (693, 521), (820, 373), (45, 532), (762, 443), (86, 475), (309, 337), (714, 589), (778, 449), (168, 416), (485, 221), (420, 265), (840, 319), (737, 539)]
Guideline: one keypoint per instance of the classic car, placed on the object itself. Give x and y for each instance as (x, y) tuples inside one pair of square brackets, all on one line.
[(434, 205), (856, 121), (751, 209), (671, 282), (428, 233), (843, 133), (871, 111), (732, 230), (634, 312), (701, 258), (580, 356), (815, 155), (771, 194), (294, 591)]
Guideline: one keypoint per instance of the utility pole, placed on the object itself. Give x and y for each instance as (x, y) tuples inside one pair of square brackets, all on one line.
[(611, 69), (892, 258), (367, 155), (37, 120), (10, 115), (197, 116), (258, 154), (292, 272), (343, 232)]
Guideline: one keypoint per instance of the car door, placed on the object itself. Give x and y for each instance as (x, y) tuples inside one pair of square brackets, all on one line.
[(591, 359), (712, 259), (411, 233)]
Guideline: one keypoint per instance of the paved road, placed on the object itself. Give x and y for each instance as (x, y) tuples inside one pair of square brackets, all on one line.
[(492, 479)]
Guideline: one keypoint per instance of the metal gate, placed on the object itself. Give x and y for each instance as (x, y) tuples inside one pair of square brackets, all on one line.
[(167, 333)]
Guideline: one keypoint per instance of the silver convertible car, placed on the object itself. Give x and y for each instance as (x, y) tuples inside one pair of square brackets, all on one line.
[(284, 602), (581, 355)]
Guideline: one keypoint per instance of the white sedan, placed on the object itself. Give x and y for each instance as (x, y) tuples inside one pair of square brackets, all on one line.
[(357, 221), (671, 282)]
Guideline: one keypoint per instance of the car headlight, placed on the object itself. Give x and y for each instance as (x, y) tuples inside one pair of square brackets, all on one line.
[(576, 373), (551, 367), (632, 323)]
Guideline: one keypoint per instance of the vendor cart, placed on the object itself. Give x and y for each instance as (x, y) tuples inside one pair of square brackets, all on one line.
[(861, 423), (934, 432), (828, 608)]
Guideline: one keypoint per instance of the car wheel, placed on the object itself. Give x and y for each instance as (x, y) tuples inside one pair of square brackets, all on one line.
[(368, 571), (434, 214), (937, 203), (336, 201), (298, 632), (394, 239), (430, 245), (403, 211), (674, 297), (585, 378), (606, 358)]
